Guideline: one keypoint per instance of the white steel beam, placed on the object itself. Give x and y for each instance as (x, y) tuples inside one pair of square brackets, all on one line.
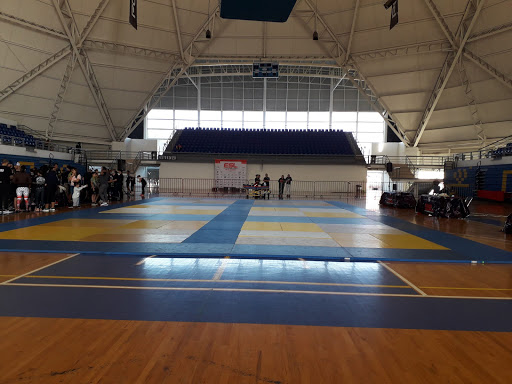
[(501, 77), (34, 72), (440, 20), (59, 99), (178, 30), (175, 72), (450, 63), (129, 49), (471, 102), (71, 29), (32, 25), (352, 29), (490, 32), (412, 49), (60, 96), (337, 51)]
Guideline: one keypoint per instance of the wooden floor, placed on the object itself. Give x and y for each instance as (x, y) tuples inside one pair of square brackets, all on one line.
[(60, 350), (106, 351)]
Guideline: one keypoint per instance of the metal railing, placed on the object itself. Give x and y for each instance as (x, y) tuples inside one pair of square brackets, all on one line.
[(299, 189), (113, 156), (39, 144)]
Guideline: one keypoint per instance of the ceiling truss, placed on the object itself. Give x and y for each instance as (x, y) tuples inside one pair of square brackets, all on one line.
[(177, 70), (464, 31), (68, 22)]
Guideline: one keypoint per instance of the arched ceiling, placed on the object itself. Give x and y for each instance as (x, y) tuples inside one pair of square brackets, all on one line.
[(77, 69)]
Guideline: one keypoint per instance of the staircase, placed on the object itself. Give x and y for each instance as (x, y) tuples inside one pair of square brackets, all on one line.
[(402, 172), (171, 144), (479, 182)]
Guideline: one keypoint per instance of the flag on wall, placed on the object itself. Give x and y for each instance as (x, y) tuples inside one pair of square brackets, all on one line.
[(394, 14), (133, 13)]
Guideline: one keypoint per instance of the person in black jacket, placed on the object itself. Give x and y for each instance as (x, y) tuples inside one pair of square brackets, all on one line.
[(288, 185), (143, 183), (52, 182), (282, 181)]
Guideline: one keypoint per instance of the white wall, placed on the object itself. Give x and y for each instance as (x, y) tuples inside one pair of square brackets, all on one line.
[(135, 145), (298, 172), (8, 122), (394, 149)]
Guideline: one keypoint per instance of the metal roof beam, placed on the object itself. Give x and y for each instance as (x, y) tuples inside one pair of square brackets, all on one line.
[(468, 21), (352, 30), (336, 52), (34, 72), (178, 30), (175, 72), (32, 25), (59, 99), (490, 32), (71, 29)]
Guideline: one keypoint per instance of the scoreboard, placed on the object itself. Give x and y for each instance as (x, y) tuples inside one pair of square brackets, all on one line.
[(265, 70)]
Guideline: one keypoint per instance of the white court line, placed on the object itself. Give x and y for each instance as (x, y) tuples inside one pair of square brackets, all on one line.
[(221, 269), (402, 278), (145, 259), (38, 269), (259, 291)]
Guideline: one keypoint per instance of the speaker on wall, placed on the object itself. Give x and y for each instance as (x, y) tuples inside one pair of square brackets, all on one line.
[(121, 165), (389, 167)]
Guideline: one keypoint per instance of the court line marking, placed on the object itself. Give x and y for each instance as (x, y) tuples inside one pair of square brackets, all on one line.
[(38, 269), (145, 259), (470, 289), (219, 281), (258, 291), (402, 278), (221, 269)]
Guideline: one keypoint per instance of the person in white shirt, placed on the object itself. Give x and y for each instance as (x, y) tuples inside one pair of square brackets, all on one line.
[(76, 194)]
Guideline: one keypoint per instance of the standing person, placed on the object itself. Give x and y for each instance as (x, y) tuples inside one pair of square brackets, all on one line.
[(282, 181), (257, 180), (132, 184), (52, 181), (129, 178), (76, 194), (5, 185), (266, 183), (95, 185), (119, 185), (143, 182), (40, 186), (104, 180), (23, 181), (288, 185)]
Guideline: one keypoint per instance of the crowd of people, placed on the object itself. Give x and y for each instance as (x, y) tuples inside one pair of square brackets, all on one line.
[(44, 189), (285, 185)]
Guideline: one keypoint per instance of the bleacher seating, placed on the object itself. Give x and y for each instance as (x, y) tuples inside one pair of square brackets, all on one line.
[(500, 152), (263, 141), (11, 133)]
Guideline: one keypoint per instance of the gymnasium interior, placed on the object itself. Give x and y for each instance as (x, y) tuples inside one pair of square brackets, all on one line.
[(271, 192)]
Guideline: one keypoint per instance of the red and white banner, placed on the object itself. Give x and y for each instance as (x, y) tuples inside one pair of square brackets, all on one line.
[(230, 173)]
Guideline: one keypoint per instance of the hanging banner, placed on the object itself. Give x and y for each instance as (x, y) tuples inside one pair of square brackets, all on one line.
[(133, 13), (230, 173), (394, 15)]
